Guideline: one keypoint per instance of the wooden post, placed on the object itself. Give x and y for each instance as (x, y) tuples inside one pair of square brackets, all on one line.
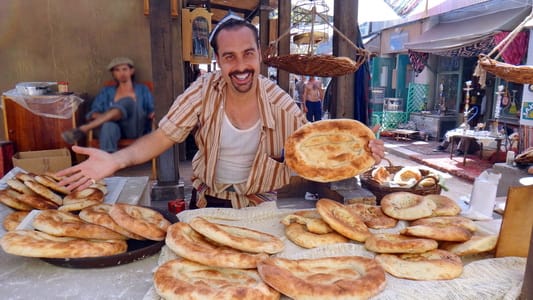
[(284, 23), (264, 30), (527, 285), (168, 77), (345, 20)]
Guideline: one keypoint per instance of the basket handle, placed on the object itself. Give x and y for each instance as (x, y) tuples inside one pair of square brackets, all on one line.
[(423, 178), (388, 160)]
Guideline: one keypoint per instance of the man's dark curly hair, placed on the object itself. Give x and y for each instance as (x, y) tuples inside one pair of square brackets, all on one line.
[(232, 24)]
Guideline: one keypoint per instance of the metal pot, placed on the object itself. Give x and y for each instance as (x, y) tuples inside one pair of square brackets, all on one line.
[(32, 88)]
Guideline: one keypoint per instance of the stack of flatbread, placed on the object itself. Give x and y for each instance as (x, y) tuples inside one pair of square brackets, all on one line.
[(27, 191), (218, 261), (98, 230)]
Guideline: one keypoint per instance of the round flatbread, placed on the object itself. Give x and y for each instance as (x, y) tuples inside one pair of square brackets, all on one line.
[(372, 215), (439, 232), (310, 218), (476, 244), (189, 244), (185, 279), (466, 223), (25, 176), (240, 238), (407, 206), (37, 201), (9, 197), (19, 186), (381, 174), (143, 221), (330, 150), (44, 191), (13, 220), (51, 183), (65, 224), (407, 175), (432, 265), (301, 236), (39, 244), (343, 277), (78, 200), (342, 220), (396, 243), (99, 214), (445, 206)]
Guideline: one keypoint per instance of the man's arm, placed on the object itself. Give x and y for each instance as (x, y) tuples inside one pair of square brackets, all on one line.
[(304, 98), (101, 164)]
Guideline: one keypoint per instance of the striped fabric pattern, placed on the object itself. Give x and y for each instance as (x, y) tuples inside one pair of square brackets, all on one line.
[(200, 110)]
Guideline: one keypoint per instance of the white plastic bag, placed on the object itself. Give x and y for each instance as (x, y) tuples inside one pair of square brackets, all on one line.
[(483, 195)]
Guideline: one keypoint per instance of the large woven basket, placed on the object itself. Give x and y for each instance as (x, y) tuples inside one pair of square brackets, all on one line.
[(380, 190), (315, 64), (519, 74)]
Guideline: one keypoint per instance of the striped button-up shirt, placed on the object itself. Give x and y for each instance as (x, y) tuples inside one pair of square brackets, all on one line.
[(200, 109)]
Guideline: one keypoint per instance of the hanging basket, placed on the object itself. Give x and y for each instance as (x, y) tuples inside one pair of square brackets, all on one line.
[(519, 74), (311, 64), (315, 65)]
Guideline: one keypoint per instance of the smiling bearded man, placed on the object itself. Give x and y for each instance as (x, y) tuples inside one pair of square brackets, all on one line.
[(240, 121)]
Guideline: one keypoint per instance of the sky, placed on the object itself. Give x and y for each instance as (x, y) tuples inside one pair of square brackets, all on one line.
[(378, 10)]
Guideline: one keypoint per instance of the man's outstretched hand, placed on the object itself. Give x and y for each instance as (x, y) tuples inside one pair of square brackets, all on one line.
[(98, 165)]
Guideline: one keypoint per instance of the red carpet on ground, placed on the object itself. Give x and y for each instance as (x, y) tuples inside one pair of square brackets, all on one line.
[(423, 153)]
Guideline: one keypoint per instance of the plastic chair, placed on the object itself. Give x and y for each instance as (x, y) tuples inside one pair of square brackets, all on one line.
[(92, 141)]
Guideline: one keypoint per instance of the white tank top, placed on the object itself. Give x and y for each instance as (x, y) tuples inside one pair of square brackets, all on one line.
[(237, 152)]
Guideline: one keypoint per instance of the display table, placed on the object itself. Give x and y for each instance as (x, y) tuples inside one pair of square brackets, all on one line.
[(403, 134), (481, 137), (482, 278), (31, 278)]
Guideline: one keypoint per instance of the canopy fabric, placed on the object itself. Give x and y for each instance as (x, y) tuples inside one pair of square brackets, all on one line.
[(449, 36)]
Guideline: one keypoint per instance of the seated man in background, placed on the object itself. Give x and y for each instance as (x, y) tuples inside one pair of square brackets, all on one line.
[(123, 110)]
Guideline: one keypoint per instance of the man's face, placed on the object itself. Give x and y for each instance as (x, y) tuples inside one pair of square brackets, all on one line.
[(239, 58), (123, 73)]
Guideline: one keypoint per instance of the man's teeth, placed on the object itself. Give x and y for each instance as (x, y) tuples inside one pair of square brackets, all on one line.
[(242, 76)]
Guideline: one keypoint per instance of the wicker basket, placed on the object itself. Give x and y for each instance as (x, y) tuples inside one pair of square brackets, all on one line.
[(315, 65), (524, 158), (519, 74), (380, 190)]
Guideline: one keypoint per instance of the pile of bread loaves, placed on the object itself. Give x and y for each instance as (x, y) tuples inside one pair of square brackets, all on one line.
[(429, 248), (406, 176), (218, 261), (71, 224), (27, 191)]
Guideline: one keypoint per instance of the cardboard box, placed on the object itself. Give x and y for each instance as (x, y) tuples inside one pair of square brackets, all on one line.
[(42, 161)]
